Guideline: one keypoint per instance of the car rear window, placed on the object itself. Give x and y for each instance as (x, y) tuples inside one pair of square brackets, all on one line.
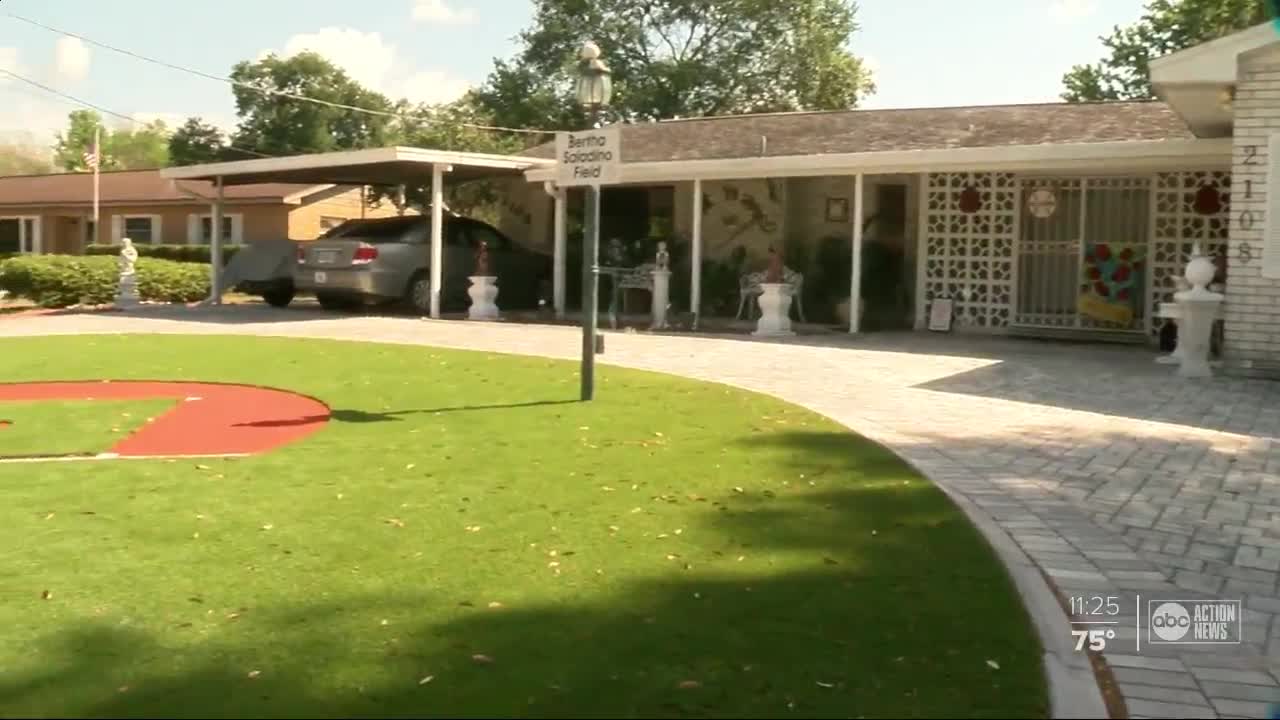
[(375, 230)]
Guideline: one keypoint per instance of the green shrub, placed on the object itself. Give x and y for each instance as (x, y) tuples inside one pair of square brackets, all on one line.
[(177, 253), (55, 281)]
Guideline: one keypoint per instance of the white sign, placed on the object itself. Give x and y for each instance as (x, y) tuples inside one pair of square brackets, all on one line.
[(591, 157), (940, 314), (1042, 203)]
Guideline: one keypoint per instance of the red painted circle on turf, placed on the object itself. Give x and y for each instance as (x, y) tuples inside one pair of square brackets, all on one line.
[(207, 419)]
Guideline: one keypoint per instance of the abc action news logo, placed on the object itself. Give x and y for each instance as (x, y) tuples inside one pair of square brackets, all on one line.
[(1194, 622)]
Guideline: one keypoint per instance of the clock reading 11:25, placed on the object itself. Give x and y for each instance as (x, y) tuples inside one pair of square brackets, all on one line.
[(1106, 605)]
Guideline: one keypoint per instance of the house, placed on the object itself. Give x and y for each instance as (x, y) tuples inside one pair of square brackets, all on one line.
[(1045, 219), (54, 213)]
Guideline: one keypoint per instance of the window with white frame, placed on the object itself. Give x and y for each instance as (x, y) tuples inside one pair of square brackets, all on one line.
[(141, 229), (200, 229)]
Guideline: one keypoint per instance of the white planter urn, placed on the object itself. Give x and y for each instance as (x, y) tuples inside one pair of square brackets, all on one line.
[(775, 310), (661, 293), (1198, 308), (484, 294)]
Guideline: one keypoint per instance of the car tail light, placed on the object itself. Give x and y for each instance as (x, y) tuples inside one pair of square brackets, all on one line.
[(364, 255)]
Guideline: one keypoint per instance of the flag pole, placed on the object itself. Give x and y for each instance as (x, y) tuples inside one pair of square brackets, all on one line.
[(97, 156)]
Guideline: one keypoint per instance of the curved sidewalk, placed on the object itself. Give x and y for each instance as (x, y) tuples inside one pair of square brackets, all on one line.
[(1089, 465)]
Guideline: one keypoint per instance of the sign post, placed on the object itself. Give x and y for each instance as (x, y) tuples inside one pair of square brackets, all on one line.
[(589, 159)]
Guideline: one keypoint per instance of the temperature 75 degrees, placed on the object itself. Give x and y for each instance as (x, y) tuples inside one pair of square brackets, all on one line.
[(1097, 639)]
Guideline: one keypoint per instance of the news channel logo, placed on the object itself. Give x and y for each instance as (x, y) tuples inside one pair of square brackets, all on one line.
[(1194, 622)]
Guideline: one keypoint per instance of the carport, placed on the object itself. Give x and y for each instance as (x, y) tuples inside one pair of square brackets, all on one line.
[(386, 167)]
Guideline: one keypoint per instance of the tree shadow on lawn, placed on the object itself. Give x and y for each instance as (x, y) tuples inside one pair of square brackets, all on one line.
[(362, 416), (818, 617)]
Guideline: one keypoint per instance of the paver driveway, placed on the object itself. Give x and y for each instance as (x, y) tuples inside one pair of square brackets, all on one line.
[(1115, 477)]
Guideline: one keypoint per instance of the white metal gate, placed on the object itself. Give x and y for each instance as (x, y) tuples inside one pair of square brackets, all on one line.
[(1082, 253)]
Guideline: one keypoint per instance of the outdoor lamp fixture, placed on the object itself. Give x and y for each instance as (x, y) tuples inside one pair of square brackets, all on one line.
[(594, 88), (595, 83)]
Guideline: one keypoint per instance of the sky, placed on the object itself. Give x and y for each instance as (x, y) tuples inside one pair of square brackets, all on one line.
[(923, 52)]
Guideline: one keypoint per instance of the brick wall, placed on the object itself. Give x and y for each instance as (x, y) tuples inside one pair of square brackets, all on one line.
[(1252, 311)]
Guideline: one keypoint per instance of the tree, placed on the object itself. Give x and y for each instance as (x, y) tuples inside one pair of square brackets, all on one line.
[(276, 125), (197, 142), (138, 148), (682, 58), (1166, 26), (18, 159)]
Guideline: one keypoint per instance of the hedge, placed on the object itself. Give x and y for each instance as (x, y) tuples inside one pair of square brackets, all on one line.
[(55, 281), (177, 253)]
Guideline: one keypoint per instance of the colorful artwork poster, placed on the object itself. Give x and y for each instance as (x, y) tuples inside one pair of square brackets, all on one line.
[(1111, 286)]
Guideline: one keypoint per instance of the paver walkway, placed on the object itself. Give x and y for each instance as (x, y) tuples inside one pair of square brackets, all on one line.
[(1116, 478)]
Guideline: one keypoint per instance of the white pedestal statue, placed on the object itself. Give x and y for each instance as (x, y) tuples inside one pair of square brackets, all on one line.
[(775, 310), (1198, 308), (661, 293), (484, 293), (127, 290)]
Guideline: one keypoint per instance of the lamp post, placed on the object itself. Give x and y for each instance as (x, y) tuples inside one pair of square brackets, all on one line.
[(594, 89)]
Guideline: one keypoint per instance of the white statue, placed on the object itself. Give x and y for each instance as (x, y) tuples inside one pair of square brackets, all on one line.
[(127, 290), (128, 257), (664, 259)]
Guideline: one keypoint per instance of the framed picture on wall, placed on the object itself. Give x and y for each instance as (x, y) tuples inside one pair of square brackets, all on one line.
[(837, 210)]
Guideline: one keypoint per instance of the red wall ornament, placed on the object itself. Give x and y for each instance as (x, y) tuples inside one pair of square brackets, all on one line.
[(970, 200), (1208, 201)]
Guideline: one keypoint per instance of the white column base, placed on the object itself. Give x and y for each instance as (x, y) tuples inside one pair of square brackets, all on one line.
[(661, 292), (484, 293), (775, 311)]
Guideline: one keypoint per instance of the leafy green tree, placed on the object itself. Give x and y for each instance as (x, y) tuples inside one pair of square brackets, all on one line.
[(16, 159), (197, 142), (682, 58), (277, 125), (122, 149), (1166, 26)]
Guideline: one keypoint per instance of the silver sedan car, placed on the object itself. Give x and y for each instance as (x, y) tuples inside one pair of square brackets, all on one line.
[(387, 260)]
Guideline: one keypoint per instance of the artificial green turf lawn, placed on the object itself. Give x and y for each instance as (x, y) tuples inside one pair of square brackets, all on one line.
[(71, 427), (464, 539)]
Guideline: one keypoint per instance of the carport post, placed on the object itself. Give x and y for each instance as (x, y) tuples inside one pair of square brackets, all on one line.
[(437, 236), (558, 254), (855, 278), (695, 282), (215, 243)]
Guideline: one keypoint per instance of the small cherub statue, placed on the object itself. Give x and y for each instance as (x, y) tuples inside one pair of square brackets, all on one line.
[(482, 259), (664, 258), (128, 257), (773, 274)]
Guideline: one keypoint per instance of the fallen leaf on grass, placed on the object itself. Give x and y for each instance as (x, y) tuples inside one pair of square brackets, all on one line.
[(426, 679), (49, 516), (482, 659), (830, 561), (473, 528), (233, 616), (495, 605), (394, 521), (46, 595), (993, 664), (253, 674), (410, 466), (825, 684), (122, 689), (739, 490), (202, 467), (268, 526), (689, 685)]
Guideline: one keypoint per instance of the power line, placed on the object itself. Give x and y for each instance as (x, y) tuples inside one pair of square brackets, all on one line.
[(265, 91), (104, 110)]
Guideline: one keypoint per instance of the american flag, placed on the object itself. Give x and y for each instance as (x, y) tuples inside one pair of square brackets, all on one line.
[(91, 158)]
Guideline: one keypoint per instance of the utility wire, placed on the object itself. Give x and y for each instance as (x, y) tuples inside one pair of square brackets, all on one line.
[(101, 109), (264, 91)]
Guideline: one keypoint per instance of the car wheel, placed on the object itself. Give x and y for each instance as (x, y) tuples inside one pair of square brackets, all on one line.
[(279, 296), (419, 293), (335, 302)]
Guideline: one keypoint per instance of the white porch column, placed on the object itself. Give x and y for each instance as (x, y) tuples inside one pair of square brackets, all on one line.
[(215, 242), (695, 259), (855, 279), (561, 214), (437, 236)]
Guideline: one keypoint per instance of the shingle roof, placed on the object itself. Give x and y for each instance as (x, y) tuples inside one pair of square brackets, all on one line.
[(858, 131), (129, 186)]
